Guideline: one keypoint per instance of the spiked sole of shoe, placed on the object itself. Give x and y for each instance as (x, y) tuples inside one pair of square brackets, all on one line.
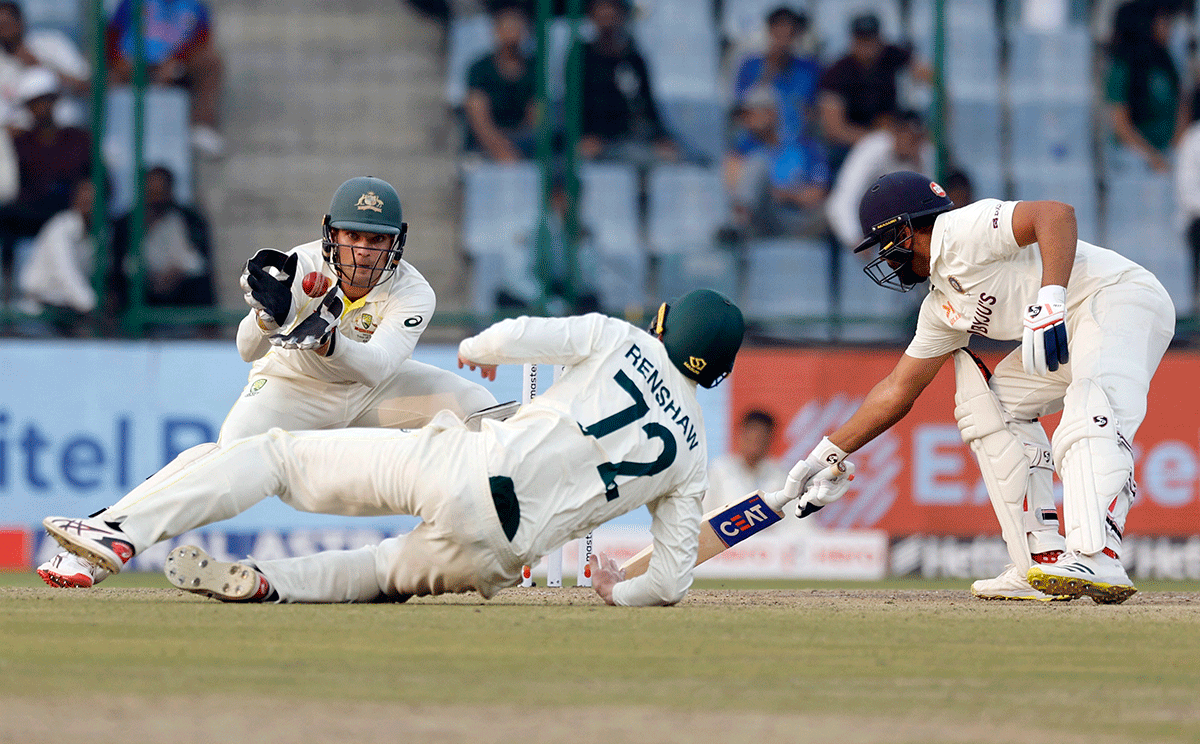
[(65, 582), (193, 570), (100, 559), (1045, 598), (1100, 592)]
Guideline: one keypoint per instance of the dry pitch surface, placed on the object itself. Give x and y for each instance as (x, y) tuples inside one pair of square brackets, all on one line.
[(803, 665)]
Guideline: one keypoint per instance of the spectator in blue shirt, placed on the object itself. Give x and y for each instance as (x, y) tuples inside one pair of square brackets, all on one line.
[(179, 50), (780, 188), (793, 77)]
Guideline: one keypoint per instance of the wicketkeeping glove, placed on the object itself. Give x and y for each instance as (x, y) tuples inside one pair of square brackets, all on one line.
[(1044, 344), (267, 281), (826, 487), (315, 330)]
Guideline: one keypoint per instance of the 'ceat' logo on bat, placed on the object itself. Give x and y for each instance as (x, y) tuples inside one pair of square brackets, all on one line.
[(743, 520)]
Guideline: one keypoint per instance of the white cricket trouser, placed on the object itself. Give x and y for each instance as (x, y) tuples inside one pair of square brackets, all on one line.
[(1117, 342), (408, 400), (436, 473)]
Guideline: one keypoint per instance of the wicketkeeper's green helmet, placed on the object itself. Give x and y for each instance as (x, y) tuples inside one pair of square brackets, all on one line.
[(702, 332), (368, 205)]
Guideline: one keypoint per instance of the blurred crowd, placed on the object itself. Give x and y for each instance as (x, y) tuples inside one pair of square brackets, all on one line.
[(804, 130), (54, 279)]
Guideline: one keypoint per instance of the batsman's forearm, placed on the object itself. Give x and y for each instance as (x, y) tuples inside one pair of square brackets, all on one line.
[(883, 407)]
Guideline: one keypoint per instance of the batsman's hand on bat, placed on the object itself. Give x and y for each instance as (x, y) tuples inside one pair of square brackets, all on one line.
[(606, 573), (317, 330), (825, 487), (487, 371), (1044, 343), (823, 455), (267, 281)]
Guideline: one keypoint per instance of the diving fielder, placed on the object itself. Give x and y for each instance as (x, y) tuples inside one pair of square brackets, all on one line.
[(330, 333), (1093, 327), (621, 428)]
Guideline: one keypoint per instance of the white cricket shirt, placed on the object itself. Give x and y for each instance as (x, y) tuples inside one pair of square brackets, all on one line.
[(981, 280), (621, 428), (377, 333)]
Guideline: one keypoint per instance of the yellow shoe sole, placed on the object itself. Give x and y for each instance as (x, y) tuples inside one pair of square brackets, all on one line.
[(1063, 586)]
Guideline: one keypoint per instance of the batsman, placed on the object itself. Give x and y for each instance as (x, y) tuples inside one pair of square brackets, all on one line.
[(1092, 327), (330, 335)]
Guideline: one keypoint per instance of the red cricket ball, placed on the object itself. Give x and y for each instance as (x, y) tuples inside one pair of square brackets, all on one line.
[(316, 284)]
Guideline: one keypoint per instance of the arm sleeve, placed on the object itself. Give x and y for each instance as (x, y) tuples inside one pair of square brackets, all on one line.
[(252, 343), (541, 340), (933, 337), (392, 344), (676, 531)]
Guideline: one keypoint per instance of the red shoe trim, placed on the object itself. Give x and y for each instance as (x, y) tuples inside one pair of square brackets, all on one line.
[(1050, 556), (1111, 554)]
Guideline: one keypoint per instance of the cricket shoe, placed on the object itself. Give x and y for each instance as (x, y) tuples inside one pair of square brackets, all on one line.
[(69, 571), (1099, 576), (1012, 584), (192, 570), (92, 539)]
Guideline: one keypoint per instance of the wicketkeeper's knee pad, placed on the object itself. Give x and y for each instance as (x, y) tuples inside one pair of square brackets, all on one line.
[(1014, 458), (1096, 466)]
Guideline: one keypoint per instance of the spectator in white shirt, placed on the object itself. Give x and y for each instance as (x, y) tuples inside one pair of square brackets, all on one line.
[(22, 51), (58, 272), (1187, 189), (901, 144), (750, 467)]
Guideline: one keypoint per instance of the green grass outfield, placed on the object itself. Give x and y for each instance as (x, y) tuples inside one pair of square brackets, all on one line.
[(897, 661)]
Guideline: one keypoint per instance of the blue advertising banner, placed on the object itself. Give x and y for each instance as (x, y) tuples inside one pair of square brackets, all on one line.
[(82, 422)]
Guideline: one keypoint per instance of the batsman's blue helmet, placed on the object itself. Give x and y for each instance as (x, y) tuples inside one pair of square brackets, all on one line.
[(896, 201)]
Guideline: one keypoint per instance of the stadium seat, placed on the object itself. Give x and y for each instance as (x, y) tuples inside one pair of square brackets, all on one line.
[(1074, 185), (609, 211), (687, 204), (1050, 66), (975, 134), (786, 287), (683, 57), (501, 203), (680, 273), (66, 16), (869, 312), (699, 124), (609, 206), (1051, 134), (167, 141), (1141, 224)]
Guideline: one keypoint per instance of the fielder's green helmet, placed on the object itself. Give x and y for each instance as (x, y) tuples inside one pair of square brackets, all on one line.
[(366, 204), (369, 205), (702, 332)]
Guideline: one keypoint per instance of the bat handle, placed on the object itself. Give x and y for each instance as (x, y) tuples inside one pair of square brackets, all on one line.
[(845, 467)]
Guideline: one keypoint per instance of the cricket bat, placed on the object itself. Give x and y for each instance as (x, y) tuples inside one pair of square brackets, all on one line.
[(729, 525)]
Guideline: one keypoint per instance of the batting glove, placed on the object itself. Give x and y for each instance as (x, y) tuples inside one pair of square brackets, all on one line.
[(825, 487), (825, 454), (1044, 343), (267, 281), (316, 329)]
